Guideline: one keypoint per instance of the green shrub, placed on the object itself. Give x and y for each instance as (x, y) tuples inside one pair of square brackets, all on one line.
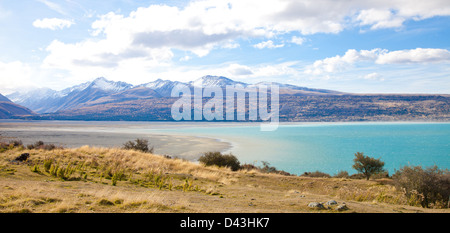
[(139, 145), (221, 160), (426, 186)]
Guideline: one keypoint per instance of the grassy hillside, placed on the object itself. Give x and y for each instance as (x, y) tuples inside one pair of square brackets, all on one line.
[(116, 180)]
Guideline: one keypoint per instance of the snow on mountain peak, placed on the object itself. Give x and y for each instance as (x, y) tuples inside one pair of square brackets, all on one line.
[(215, 81), (106, 85)]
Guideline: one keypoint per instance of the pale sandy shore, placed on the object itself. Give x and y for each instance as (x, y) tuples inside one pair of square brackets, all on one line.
[(110, 134)]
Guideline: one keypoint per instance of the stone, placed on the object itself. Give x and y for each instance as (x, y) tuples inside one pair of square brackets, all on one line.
[(341, 207), (331, 202), (316, 205)]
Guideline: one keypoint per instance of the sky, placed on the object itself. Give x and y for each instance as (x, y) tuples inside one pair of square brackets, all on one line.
[(374, 46)]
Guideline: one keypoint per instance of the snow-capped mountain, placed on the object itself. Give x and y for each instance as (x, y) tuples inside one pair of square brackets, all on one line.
[(44, 100), (162, 87), (110, 86), (101, 90), (215, 81)]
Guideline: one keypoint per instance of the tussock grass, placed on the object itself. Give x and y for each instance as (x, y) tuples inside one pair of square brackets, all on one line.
[(118, 180)]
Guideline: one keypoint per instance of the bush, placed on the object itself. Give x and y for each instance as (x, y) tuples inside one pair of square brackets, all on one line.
[(11, 145), (249, 167), (16, 143), (139, 145), (218, 159), (41, 145), (426, 186), (342, 174), (316, 174), (366, 165)]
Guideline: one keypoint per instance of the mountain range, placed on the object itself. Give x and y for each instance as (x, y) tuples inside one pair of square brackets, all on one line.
[(103, 99), (101, 91)]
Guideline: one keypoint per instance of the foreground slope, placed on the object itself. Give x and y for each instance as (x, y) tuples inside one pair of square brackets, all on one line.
[(115, 180)]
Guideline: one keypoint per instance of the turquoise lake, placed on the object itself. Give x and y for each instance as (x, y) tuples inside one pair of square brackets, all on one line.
[(330, 147)]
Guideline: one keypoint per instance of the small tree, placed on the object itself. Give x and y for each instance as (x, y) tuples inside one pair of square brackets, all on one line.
[(367, 165), (139, 144)]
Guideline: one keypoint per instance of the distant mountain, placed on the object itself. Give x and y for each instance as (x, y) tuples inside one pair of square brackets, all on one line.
[(102, 99), (296, 90), (102, 91), (8, 109), (45, 100)]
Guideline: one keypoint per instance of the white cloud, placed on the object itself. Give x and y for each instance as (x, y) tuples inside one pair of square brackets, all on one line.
[(297, 40), (419, 55), (53, 23), (378, 56), (238, 70), (374, 76), (151, 33), (380, 19), (54, 6), (141, 45), (268, 44)]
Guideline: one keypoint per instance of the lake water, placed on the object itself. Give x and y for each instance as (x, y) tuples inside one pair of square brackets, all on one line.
[(295, 148), (330, 147)]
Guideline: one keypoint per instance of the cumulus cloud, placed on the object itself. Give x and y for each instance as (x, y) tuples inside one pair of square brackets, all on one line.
[(379, 19), (297, 40), (268, 44), (53, 23), (374, 76), (419, 55), (202, 26), (150, 35), (378, 56), (238, 70)]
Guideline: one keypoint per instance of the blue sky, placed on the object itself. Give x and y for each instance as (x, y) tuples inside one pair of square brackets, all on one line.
[(383, 46)]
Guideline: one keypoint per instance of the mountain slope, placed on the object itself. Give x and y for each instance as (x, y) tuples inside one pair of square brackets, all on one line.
[(8, 109), (4, 99), (137, 93)]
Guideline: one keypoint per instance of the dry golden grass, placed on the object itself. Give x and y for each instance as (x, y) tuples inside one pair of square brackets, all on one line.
[(153, 183)]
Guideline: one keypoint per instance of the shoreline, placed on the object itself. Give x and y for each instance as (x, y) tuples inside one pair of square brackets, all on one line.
[(175, 145)]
